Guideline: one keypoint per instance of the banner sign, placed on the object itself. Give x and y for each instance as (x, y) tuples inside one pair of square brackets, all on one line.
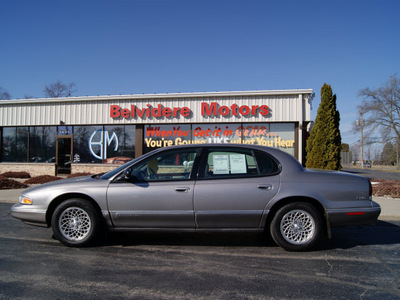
[(255, 134)]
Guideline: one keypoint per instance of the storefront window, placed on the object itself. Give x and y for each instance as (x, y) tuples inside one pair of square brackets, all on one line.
[(217, 133), (88, 144), (157, 136), (276, 135), (42, 144), (257, 134), (22, 143), (284, 136), (15, 144), (9, 144), (64, 130), (119, 143), (116, 143), (109, 144)]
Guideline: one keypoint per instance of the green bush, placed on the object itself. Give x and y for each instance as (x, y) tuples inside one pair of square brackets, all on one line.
[(324, 144)]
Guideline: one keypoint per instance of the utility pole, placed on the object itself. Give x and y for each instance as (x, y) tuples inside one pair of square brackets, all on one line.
[(360, 123), (397, 152)]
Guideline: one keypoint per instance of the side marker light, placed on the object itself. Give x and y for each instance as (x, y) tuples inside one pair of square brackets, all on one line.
[(355, 213)]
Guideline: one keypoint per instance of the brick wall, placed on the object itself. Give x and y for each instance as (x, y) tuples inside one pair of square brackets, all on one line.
[(92, 168), (35, 169)]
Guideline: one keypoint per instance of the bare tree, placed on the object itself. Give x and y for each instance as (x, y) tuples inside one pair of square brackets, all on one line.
[(59, 89), (376, 155), (4, 95), (367, 153), (381, 109), (355, 150)]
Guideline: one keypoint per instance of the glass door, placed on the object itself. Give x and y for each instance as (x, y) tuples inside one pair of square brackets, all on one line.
[(64, 155)]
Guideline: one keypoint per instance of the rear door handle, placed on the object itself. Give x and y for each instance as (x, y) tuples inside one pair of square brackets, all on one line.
[(182, 189), (264, 186)]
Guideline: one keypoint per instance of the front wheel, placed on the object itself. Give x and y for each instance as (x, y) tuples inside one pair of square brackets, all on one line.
[(76, 223), (297, 227)]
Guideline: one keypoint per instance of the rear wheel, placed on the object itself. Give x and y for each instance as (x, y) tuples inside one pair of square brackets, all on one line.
[(76, 223), (297, 227)]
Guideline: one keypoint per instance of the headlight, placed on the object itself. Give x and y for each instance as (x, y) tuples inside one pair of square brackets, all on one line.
[(25, 200)]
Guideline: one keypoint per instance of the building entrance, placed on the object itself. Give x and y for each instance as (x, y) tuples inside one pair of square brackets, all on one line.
[(64, 155)]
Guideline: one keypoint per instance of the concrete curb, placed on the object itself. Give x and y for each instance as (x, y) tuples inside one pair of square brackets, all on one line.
[(390, 206), (10, 196)]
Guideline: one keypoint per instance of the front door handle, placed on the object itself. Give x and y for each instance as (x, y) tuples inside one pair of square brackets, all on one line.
[(182, 189), (264, 186)]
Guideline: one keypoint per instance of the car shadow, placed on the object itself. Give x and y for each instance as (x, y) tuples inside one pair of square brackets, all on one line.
[(126, 239), (383, 233)]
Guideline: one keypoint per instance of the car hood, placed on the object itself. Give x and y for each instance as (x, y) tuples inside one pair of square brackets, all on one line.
[(68, 181)]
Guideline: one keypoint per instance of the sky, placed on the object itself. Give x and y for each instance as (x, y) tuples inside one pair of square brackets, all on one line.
[(166, 46)]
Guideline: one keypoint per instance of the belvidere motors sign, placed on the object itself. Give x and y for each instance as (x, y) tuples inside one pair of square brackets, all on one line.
[(207, 109)]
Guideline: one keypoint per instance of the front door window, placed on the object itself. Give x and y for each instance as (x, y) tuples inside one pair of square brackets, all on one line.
[(64, 154), (168, 165)]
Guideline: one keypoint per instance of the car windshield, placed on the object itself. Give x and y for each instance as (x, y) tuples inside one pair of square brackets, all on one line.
[(112, 173)]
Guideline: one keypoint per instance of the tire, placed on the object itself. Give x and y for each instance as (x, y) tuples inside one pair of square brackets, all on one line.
[(297, 227), (76, 223)]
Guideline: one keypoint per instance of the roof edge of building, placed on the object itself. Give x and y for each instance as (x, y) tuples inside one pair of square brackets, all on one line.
[(159, 96)]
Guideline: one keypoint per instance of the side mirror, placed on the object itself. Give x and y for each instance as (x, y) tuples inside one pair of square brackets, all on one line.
[(127, 174)]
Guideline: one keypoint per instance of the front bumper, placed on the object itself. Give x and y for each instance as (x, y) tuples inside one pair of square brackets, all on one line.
[(354, 216), (29, 214)]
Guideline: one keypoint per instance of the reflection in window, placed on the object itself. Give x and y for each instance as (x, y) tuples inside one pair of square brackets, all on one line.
[(124, 137), (87, 144), (257, 134), (42, 144), (217, 133), (64, 130), (108, 144), (157, 136), (9, 144), (15, 144), (276, 135), (284, 133)]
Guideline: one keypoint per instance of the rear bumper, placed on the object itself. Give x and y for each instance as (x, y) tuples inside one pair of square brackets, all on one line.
[(354, 216)]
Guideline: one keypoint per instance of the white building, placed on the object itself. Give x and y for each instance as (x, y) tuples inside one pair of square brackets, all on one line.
[(76, 134)]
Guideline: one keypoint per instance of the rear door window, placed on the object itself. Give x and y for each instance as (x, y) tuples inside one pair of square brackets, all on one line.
[(267, 165), (233, 163)]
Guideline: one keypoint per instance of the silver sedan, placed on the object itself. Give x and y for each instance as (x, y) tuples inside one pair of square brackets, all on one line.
[(203, 188)]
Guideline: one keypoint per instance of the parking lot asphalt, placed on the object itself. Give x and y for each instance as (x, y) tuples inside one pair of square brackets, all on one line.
[(390, 206), (356, 263)]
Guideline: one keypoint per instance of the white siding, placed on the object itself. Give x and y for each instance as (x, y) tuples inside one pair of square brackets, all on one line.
[(284, 107)]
